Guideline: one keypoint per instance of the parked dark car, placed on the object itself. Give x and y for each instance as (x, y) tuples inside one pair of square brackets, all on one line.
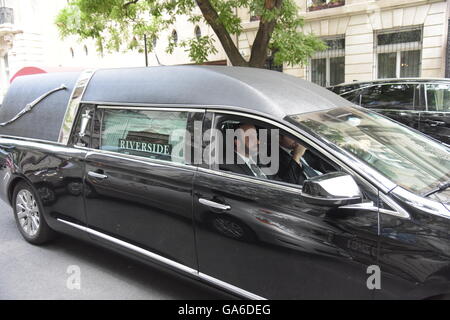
[(95, 156), (423, 104)]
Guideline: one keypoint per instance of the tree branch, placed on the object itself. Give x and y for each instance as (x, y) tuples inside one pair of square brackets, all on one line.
[(211, 16), (130, 2), (260, 45)]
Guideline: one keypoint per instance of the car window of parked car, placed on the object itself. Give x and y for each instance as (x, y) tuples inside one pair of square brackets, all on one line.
[(389, 96), (146, 133), (438, 97), (353, 96)]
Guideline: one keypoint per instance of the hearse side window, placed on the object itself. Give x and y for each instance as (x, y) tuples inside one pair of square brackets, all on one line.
[(389, 96), (145, 133), (263, 157), (438, 97)]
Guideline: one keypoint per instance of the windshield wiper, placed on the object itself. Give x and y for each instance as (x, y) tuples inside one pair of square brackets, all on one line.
[(441, 187)]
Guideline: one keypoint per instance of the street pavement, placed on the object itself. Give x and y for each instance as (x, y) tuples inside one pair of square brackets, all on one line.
[(43, 272)]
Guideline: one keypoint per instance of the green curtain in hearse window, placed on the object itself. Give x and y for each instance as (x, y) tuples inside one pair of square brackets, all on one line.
[(152, 134)]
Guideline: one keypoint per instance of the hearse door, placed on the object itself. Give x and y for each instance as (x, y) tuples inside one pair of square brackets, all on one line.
[(139, 186), (259, 238)]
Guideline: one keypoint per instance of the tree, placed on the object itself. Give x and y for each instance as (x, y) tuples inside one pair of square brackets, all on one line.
[(116, 24)]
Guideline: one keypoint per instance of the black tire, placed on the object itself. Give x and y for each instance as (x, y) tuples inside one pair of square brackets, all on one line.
[(31, 223)]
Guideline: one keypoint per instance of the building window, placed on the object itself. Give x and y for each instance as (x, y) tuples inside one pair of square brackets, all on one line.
[(254, 16), (271, 65), (398, 53), (328, 66), (314, 5), (198, 32)]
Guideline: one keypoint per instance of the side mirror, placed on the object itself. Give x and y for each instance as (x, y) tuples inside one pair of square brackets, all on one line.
[(331, 190)]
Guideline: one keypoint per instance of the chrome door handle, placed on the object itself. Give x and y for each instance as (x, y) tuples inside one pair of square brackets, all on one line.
[(97, 175), (213, 204)]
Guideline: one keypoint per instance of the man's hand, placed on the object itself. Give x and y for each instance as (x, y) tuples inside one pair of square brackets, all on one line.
[(298, 152)]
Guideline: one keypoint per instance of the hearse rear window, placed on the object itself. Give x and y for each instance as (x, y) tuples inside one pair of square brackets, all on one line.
[(151, 134)]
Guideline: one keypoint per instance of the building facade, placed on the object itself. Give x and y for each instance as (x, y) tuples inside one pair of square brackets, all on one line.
[(375, 39), (369, 39)]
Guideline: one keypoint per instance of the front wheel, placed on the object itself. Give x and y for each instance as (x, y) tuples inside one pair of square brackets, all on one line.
[(29, 216)]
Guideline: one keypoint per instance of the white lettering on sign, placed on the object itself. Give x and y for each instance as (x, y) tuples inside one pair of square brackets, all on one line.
[(164, 149)]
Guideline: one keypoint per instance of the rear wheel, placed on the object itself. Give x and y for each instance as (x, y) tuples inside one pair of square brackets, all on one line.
[(29, 216)]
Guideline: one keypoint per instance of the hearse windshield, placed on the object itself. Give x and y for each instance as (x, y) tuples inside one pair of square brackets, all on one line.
[(407, 158)]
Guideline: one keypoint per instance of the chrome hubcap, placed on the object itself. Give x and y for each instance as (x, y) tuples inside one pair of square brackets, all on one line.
[(27, 212)]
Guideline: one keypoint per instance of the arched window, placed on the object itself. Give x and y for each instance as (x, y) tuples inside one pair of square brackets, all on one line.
[(197, 32), (175, 36)]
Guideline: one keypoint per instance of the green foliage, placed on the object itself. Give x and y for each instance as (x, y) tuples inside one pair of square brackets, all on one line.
[(290, 45), (120, 25)]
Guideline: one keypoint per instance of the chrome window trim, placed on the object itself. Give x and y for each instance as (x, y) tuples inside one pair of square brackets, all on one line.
[(169, 106), (385, 83), (73, 105), (150, 108), (393, 110), (427, 112), (331, 199), (425, 204), (398, 210), (138, 159), (48, 145), (31, 139), (165, 261)]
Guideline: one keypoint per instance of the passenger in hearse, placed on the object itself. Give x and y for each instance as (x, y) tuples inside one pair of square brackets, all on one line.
[(245, 158), (293, 168)]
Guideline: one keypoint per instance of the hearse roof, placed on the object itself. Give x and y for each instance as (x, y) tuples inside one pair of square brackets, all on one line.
[(256, 90)]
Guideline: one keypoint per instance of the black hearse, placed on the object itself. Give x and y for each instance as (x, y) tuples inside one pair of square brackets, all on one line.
[(95, 155), (423, 104)]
